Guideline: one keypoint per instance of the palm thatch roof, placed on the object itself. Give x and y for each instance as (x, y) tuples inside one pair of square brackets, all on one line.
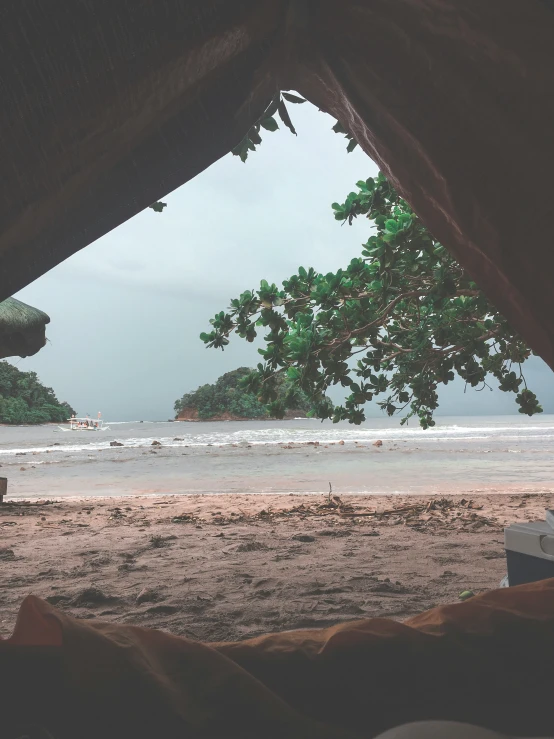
[(22, 329)]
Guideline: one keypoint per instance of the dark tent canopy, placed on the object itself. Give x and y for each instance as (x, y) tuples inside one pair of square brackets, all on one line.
[(107, 108)]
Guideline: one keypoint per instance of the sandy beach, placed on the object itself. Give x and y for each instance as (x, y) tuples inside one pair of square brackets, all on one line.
[(217, 567)]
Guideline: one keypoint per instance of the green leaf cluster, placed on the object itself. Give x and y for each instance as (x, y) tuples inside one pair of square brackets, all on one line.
[(397, 322), (268, 122), (158, 207), (352, 143), (23, 399)]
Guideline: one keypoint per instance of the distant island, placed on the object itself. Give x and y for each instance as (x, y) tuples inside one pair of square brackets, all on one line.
[(23, 399), (227, 400)]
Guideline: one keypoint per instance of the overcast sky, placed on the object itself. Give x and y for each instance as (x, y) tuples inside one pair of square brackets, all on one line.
[(126, 311)]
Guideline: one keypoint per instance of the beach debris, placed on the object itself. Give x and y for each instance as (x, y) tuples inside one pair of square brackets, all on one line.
[(156, 443), (116, 513), (22, 469), (157, 541), (92, 596), (436, 513), (252, 546), (178, 438), (99, 561), (184, 518), (430, 515), (341, 443), (378, 443), (338, 532), (221, 520), (466, 594), (57, 599), (6, 555), (148, 595), (306, 538), (163, 610), (333, 501), (115, 443), (132, 567)]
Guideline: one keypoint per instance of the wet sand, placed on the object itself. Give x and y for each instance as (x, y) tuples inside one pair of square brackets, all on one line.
[(306, 467), (216, 567)]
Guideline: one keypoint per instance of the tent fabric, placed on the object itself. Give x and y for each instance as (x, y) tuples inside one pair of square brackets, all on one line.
[(108, 108), (22, 329), (485, 662)]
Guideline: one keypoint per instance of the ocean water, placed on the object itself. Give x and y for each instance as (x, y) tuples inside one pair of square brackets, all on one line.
[(462, 455)]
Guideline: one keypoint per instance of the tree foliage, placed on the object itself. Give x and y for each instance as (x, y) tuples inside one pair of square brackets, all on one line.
[(400, 320), (228, 396), (23, 399), (267, 122)]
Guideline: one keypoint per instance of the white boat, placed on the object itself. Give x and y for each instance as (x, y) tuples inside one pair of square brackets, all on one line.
[(85, 424)]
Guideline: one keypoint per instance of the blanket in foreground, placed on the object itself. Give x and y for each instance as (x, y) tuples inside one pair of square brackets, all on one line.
[(487, 661)]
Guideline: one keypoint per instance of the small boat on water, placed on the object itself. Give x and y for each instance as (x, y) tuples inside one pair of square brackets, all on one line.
[(85, 424)]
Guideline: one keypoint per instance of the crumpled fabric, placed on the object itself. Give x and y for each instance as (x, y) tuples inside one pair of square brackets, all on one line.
[(483, 662)]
